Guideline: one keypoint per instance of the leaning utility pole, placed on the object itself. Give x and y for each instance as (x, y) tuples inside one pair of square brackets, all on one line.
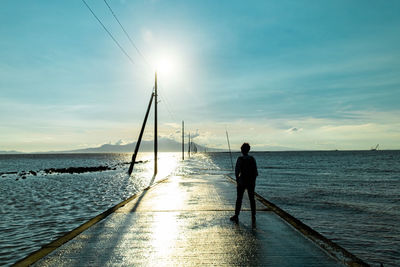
[(153, 95), (140, 136)]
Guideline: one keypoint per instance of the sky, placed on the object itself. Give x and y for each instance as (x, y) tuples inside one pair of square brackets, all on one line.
[(281, 75)]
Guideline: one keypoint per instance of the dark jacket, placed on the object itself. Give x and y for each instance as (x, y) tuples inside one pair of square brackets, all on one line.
[(246, 170)]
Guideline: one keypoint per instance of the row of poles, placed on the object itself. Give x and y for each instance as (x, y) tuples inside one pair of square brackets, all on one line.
[(183, 142), (154, 96)]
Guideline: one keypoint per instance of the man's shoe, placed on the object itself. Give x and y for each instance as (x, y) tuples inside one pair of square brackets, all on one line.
[(234, 218)]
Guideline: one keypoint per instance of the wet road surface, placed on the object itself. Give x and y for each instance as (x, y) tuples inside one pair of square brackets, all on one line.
[(184, 221)]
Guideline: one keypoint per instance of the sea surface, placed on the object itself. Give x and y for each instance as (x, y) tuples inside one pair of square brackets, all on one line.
[(351, 197)]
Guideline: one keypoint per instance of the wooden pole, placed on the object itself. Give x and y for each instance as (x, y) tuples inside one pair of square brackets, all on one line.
[(189, 145), (229, 146), (183, 140), (155, 127), (140, 136)]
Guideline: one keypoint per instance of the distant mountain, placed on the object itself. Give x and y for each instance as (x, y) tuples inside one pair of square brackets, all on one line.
[(274, 148), (164, 145), (9, 152)]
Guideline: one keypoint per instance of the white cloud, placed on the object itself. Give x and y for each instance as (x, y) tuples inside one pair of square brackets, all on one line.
[(194, 135), (120, 142), (360, 132)]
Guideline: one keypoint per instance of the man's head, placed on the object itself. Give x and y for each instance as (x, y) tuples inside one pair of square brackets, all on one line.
[(245, 148)]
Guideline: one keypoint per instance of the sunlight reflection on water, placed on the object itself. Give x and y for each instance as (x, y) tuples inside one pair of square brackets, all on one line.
[(38, 209)]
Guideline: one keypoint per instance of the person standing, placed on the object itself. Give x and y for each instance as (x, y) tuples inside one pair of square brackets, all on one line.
[(246, 174)]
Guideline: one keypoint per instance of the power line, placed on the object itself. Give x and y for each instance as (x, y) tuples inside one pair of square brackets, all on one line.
[(126, 33), (166, 103), (109, 33), (166, 106)]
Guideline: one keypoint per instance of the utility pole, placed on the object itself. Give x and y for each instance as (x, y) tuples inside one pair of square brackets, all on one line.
[(140, 136), (189, 145), (155, 126), (183, 140), (229, 146)]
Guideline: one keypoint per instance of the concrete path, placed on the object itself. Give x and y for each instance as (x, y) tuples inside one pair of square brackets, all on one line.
[(184, 221)]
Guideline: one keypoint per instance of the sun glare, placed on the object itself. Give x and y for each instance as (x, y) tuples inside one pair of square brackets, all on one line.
[(167, 64)]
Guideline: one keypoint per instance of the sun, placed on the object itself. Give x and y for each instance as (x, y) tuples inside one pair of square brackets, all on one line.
[(167, 64)]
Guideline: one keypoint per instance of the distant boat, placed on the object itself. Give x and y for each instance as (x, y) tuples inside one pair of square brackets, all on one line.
[(375, 148)]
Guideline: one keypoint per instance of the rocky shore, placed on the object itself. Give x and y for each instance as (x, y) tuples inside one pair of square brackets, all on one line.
[(69, 170)]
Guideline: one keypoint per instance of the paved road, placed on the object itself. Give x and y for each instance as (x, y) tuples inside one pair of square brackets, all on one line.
[(184, 221)]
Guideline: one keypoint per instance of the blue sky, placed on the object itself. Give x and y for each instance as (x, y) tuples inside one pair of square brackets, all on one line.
[(278, 74)]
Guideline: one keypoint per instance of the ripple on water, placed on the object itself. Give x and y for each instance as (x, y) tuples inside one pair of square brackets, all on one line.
[(350, 197), (38, 209)]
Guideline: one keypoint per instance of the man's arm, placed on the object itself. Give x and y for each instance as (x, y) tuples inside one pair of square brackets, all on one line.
[(255, 167), (237, 168)]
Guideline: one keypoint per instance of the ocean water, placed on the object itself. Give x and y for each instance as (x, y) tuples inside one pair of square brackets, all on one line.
[(38, 209), (351, 197)]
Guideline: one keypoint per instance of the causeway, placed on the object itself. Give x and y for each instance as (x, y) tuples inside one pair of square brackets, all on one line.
[(184, 221)]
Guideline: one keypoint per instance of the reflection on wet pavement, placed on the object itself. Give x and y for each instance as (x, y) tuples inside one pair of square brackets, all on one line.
[(185, 221)]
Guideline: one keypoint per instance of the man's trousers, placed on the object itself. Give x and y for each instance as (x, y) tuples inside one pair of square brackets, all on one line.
[(239, 197)]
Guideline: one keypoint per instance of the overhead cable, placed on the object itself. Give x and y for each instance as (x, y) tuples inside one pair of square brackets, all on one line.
[(165, 102), (126, 33), (109, 33)]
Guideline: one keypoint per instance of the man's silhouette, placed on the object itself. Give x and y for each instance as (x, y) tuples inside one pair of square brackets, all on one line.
[(246, 173)]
